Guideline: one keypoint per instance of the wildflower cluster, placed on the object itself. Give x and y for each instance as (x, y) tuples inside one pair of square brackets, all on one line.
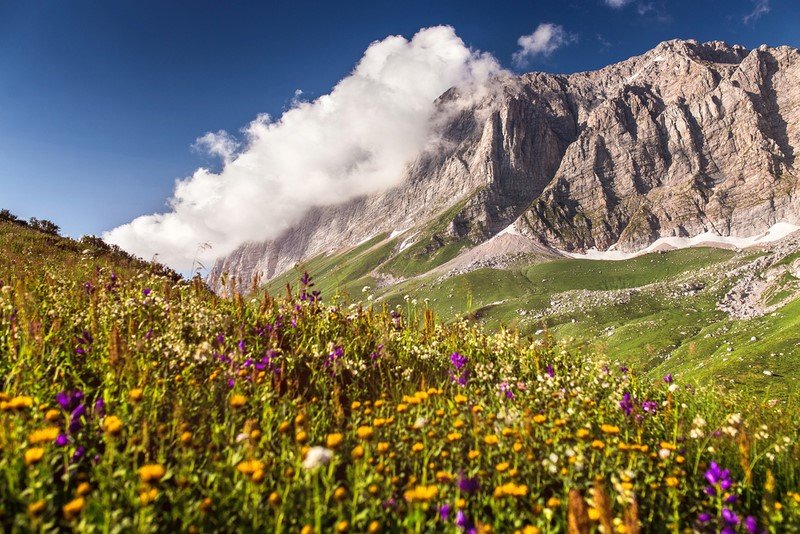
[(157, 405)]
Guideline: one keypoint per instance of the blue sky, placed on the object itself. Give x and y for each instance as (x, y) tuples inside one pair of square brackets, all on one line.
[(101, 102)]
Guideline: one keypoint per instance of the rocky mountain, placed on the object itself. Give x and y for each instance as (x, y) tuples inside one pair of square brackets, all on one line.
[(689, 138)]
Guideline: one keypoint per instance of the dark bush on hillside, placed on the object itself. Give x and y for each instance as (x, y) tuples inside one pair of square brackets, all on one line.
[(44, 226), (7, 216)]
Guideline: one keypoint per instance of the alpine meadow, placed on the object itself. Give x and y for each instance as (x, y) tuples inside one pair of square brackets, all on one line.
[(441, 288)]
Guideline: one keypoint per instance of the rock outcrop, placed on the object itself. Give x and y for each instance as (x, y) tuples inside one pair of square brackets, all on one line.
[(685, 139)]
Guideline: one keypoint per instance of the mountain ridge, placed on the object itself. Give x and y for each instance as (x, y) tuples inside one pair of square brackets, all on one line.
[(684, 139)]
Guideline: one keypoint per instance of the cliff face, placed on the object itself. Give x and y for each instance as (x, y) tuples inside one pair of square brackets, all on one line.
[(684, 139)]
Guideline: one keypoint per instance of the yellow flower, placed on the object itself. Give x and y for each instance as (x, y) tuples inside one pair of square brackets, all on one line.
[(473, 454), (491, 439), (382, 447), (301, 437), (460, 399), (402, 408), (17, 403), (421, 493), (364, 432), (52, 415), (34, 455), (73, 507), (597, 444), (44, 435), (151, 472), (274, 499), (374, 528), (443, 477), (510, 490), (358, 452), (594, 514), (307, 529), (517, 446), (355, 405), (186, 438), (553, 502), (539, 418), (453, 436), (671, 482), (36, 508), (83, 489), (112, 425), (334, 440), (284, 427), (248, 467), (502, 466), (530, 529), (342, 526), (237, 401), (582, 433), (339, 494), (609, 429), (148, 496), (135, 395), (417, 447)]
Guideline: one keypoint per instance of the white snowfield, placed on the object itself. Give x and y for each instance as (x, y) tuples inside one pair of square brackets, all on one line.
[(396, 233), (775, 233)]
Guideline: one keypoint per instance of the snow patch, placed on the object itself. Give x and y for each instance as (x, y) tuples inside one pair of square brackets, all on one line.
[(408, 242), (396, 233), (775, 233)]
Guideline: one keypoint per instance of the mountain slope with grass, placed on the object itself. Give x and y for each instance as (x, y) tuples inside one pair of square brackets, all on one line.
[(707, 313)]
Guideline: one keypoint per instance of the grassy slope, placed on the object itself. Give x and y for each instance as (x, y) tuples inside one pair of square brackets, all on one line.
[(655, 331)]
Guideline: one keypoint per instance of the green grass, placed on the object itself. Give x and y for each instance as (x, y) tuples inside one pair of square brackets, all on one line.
[(182, 411)]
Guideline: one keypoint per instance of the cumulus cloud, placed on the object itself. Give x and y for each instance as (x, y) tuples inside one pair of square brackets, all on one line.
[(353, 141), (220, 144), (616, 4), (760, 7), (545, 39)]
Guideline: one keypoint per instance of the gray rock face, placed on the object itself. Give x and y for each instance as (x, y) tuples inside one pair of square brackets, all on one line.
[(684, 139)]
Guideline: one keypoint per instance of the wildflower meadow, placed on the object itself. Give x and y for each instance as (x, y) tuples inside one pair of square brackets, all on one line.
[(132, 402)]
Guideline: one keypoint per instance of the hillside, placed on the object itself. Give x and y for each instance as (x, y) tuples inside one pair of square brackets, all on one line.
[(130, 402), (705, 314)]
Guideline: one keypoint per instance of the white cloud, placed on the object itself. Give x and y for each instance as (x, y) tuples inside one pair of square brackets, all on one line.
[(760, 7), (353, 141), (220, 144), (616, 4), (544, 40)]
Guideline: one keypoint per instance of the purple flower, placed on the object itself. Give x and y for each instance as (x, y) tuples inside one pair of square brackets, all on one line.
[(444, 512), (730, 517), (650, 406), (506, 389), (550, 371), (80, 452), (626, 404), (668, 378), (458, 360), (704, 517), (751, 524), (146, 291), (62, 440), (623, 369), (99, 407), (468, 485)]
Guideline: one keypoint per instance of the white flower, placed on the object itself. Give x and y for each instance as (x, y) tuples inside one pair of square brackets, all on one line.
[(420, 422), (316, 457), (663, 453)]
